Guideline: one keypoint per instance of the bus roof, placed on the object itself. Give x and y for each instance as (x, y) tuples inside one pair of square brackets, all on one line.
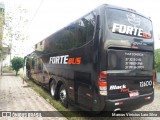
[(101, 6), (125, 9)]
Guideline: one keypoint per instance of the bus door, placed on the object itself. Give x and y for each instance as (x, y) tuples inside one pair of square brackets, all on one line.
[(38, 70), (83, 89)]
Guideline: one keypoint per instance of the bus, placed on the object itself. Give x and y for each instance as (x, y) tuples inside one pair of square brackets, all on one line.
[(102, 61)]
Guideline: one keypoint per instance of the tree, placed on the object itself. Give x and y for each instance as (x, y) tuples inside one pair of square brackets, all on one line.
[(157, 60), (15, 24), (15, 27), (2, 16), (17, 63)]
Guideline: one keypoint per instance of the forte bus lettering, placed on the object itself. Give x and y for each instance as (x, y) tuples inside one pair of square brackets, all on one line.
[(129, 30), (64, 59), (74, 60), (59, 59)]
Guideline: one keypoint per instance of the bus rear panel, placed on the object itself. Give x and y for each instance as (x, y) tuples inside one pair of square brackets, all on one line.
[(128, 60)]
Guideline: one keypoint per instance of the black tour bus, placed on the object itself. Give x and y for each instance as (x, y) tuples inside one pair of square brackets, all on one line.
[(100, 62)]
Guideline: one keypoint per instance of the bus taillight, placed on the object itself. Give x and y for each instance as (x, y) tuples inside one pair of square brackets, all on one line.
[(102, 83)]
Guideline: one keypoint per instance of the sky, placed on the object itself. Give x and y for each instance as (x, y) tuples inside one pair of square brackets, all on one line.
[(47, 16)]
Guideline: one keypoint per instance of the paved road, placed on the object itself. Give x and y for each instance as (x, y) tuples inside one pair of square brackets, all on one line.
[(16, 96)]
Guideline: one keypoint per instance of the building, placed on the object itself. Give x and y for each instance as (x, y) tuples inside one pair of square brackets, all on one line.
[(40, 46)]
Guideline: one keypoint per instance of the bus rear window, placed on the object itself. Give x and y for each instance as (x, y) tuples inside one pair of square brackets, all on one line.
[(128, 23)]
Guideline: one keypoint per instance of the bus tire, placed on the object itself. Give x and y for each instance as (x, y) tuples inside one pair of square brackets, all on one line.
[(63, 96), (53, 90)]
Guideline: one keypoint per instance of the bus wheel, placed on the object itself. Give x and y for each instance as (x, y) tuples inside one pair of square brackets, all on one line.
[(63, 96), (53, 90)]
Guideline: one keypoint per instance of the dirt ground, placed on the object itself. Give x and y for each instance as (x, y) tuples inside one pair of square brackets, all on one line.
[(16, 96)]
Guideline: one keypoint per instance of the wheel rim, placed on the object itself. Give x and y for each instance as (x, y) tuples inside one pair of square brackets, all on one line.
[(63, 95), (52, 90)]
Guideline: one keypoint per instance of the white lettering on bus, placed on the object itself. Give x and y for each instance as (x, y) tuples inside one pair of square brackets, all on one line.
[(133, 54), (124, 29), (59, 59), (64, 59), (115, 87)]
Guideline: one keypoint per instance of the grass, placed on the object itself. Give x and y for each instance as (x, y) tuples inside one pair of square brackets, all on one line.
[(56, 104), (7, 69)]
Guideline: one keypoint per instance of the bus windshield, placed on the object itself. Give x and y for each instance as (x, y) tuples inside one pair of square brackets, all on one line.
[(121, 22)]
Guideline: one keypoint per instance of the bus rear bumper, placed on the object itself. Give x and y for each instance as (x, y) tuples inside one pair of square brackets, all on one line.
[(129, 104)]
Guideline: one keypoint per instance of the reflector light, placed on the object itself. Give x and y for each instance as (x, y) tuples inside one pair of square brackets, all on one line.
[(147, 98), (103, 92), (118, 103), (102, 83), (103, 87)]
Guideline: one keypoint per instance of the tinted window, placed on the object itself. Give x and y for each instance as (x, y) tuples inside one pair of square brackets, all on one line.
[(73, 36), (86, 29), (128, 23), (130, 60)]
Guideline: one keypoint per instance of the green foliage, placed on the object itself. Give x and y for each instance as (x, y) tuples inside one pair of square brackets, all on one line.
[(3, 52), (157, 59), (17, 63), (1, 30)]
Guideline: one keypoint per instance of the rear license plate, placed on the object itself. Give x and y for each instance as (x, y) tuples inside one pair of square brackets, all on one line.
[(134, 94)]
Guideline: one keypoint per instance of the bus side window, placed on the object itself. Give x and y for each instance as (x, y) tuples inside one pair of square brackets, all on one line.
[(73, 36), (78, 33), (86, 29)]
